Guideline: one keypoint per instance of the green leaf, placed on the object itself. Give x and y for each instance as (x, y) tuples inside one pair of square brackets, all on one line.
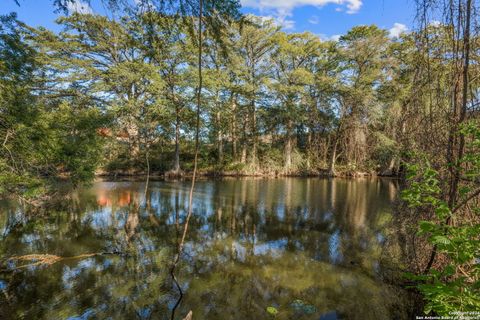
[(426, 226), (272, 310), (440, 240)]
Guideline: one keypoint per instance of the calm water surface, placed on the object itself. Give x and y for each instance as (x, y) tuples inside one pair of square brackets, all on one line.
[(310, 248)]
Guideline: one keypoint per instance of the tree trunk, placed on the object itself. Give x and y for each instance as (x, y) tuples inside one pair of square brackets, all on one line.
[(332, 160), (147, 160), (325, 148), (244, 143), (253, 117), (288, 146), (244, 153), (390, 170), (234, 128), (309, 146), (219, 138), (253, 128), (176, 165), (133, 134)]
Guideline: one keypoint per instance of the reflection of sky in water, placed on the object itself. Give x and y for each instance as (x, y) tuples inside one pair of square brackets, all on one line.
[(327, 216), (380, 238), (280, 213), (86, 315), (30, 238), (333, 247), (69, 274), (239, 251), (272, 248), (329, 316), (100, 219), (261, 240)]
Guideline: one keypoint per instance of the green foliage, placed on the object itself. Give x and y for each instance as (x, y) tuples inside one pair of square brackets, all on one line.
[(272, 101), (272, 311), (303, 307), (385, 149), (456, 287), (272, 158), (79, 147), (42, 137)]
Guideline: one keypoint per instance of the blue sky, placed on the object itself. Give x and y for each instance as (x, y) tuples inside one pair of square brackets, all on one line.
[(326, 18)]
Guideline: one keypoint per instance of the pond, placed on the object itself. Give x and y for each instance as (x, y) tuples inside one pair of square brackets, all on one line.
[(286, 248)]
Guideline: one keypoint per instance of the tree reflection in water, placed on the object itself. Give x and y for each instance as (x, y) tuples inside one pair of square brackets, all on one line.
[(252, 243)]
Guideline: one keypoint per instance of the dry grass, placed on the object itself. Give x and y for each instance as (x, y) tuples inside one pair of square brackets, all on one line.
[(32, 260)]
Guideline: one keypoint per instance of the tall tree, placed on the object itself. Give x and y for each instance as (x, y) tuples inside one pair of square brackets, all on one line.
[(291, 77), (362, 54)]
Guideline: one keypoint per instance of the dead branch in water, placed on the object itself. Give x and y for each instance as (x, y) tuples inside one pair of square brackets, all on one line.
[(46, 259), (189, 316)]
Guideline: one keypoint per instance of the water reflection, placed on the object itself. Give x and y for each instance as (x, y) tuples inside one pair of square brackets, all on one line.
[(308, 247)]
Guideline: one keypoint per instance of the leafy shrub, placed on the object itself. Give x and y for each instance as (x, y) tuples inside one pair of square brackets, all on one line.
[(453, 233)]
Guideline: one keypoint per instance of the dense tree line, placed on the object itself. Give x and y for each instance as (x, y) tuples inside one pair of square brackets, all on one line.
[(279, 102)]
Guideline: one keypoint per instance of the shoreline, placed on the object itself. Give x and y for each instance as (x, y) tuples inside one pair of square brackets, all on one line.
[(210, 174)]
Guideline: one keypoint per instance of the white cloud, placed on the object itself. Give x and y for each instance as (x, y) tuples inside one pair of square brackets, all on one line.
[(263, 18), (314, 20), (287, 24), (282, 9), (397, 30), (335, 37), (288, 5), (79, 6), (279, 21)]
